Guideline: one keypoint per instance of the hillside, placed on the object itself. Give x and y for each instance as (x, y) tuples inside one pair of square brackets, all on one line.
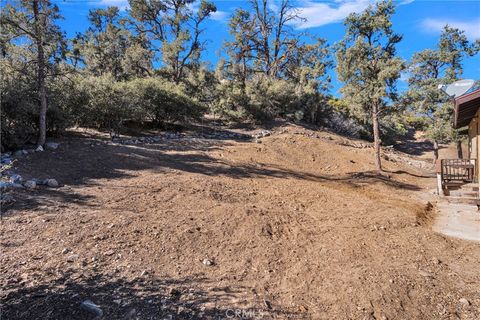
[(290, 225)]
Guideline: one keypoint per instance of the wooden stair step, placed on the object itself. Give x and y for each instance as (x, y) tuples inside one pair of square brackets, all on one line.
[(463, 200), (463, 193)]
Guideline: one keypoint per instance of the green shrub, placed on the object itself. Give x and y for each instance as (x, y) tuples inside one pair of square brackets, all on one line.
[(103, 102), (161, 100)]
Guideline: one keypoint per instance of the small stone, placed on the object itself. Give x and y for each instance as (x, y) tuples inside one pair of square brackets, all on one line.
[(51, 145), (91, 307), (52, 183), (207, 262), (436, 261), (72, 257), (6, 161), (267, 304), (16, 178), (131, 314), (425, 273), (266, 133), (30, 184), (40, 182), (464, 302), (5, 184), (66, 250), (39, 149), (109, 253), (175, 294), (6, 199)]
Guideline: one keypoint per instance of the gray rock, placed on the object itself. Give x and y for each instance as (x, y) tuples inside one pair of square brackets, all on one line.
[(16, 178), (6, 199), (19, 153), (39, 149), (91, 307), (9, 184), (30, 184), (6, 161), (72, 257), (52, 183), (207, 262), (51, 145), (5, 184), (425, 274), (266, 133), (109, 253), (464, 302)]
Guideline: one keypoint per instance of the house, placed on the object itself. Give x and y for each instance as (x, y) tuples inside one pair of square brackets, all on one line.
[(466, 113), (457, 173)]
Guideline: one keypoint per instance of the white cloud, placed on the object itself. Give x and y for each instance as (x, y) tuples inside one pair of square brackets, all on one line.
[(322, 13), (219, 15), (122, 4), (471, 28), (319, 14)]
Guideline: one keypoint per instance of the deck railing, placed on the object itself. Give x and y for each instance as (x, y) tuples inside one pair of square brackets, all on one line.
[(458, 170)]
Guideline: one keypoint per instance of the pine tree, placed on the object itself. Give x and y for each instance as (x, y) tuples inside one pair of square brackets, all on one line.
[(31, 23), (368, 66), (176, 27), (433, 67)]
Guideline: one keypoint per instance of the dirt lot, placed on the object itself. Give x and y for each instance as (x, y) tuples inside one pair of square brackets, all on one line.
[(295, 227)]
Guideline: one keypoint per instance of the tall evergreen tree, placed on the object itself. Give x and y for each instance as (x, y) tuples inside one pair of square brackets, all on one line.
[(368, 66), (31, 25), (265, 43), (109, 46), (175, 26), (429, 69)]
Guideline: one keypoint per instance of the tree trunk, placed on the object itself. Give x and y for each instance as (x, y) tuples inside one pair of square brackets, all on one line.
[(376, 138), (435, 151), (42, 92), (459, 149)]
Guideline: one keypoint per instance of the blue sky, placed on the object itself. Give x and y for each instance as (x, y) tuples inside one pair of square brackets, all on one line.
[(420, 22)]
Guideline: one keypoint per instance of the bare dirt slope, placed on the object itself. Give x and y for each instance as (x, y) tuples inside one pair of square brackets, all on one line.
[(296, 226)]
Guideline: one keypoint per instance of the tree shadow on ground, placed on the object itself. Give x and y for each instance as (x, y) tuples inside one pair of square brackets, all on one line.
[(44, 197), (146, 297), (424, 176), (85, 161), (415, 148)]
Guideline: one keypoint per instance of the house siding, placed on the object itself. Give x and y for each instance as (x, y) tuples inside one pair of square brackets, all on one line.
[(473, 139)]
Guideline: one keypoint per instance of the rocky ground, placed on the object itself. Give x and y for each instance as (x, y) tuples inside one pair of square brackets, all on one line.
[(287, 224)]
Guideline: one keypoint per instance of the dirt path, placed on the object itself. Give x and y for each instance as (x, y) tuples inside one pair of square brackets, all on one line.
[(294, 226)]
